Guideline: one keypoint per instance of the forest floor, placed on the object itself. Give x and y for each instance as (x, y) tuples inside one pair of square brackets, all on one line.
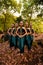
[(11, 56)]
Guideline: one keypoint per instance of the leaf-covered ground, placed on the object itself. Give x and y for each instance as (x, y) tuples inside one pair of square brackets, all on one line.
[(11, 56)]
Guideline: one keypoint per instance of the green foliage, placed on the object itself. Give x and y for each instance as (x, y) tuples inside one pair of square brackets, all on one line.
[(37, 25), (6, 20), (19, 19), (5, 4), (29, 6)]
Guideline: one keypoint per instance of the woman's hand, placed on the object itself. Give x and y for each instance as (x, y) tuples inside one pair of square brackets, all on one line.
[(28, 33), (20, 36)]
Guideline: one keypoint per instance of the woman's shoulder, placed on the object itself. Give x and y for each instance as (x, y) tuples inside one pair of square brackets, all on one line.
[(18, 28), (9, 29), (13, 29), (23, 27), (28, 28)]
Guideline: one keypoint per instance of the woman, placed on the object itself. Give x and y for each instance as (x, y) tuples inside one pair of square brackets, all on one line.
[(28, 36), (10, 35), (21, 32), (32, 33), (14, 36)]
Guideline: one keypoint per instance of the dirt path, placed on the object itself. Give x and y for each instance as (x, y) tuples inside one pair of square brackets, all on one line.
[(13, 57)]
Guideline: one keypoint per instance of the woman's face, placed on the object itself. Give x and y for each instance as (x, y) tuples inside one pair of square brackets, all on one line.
[(16, 25), (26, 24), (21, 23), (12, 25)]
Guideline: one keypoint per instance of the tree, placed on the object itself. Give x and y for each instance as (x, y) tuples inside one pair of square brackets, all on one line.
[(29, 6), (5, 7), (6, 19), (19, 19), (12, 4)]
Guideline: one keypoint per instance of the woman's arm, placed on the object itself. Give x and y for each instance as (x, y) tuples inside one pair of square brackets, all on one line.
[(9, 31), (17, 32), (29, 31), (14, 34)]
